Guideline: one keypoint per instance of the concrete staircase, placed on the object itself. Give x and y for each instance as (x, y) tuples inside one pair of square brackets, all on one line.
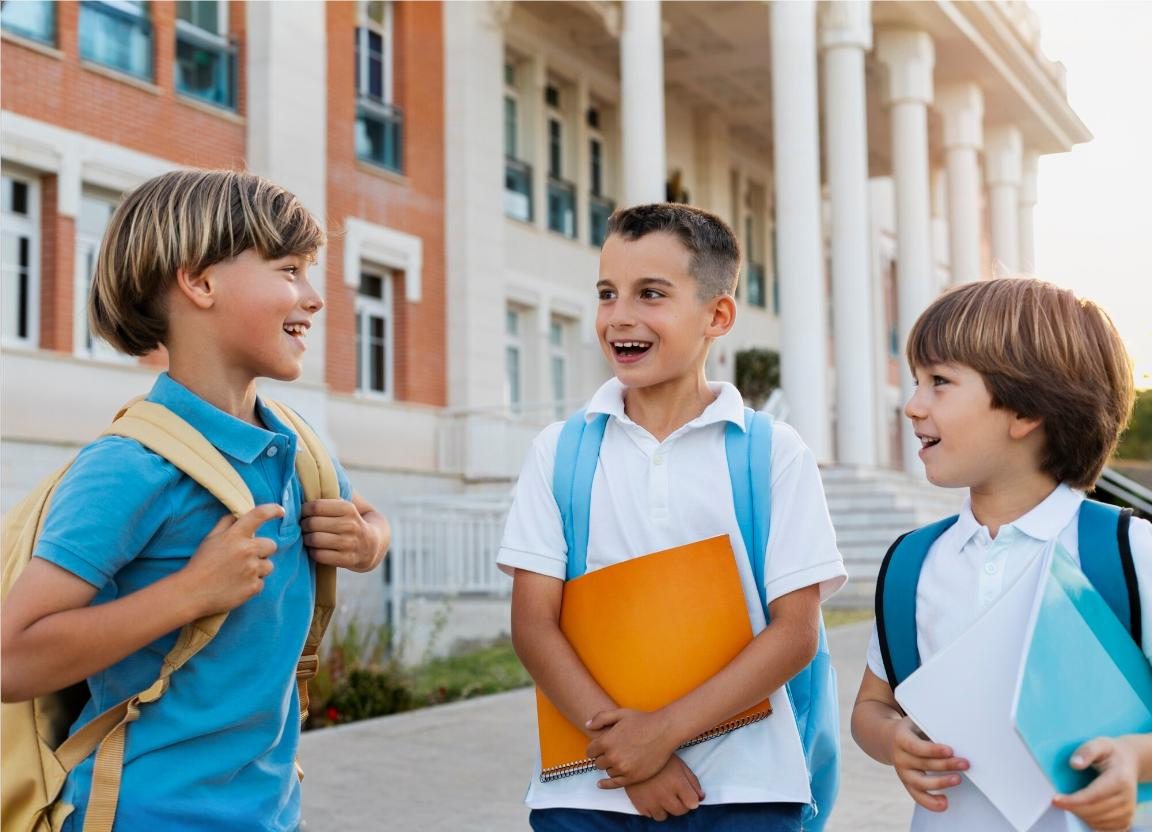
[(870, 508)]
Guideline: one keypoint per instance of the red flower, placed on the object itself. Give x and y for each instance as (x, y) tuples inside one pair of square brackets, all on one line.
[(332, 714)]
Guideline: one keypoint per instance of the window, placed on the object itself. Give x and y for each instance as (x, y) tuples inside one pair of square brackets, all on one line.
[(517, 172), (19, 250), (374, 333), (205, 59), (379, 124), (513, 360), (561, 193), (117, 34), (558, 352), (95, 211), (600, 208), (754, 269), (35, 19)]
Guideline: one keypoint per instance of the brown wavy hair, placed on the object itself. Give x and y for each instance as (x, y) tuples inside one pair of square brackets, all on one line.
[(187, 219), (1044, 354)]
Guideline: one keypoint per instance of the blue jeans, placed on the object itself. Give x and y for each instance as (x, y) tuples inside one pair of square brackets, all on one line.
[(722, 817)]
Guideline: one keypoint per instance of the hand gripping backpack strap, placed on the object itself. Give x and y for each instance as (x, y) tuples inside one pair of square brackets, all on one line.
[(1106, 560), (163, 432), (896, 599), (318, 481)]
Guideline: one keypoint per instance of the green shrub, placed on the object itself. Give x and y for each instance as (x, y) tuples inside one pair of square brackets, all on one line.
[(369, 692), (757, 375)]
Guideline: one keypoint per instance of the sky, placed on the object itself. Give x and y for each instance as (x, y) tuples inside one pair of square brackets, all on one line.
[(1093, 218)]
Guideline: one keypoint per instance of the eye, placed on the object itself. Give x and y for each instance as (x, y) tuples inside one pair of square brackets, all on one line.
[(651, 294), (291, 270), (607, 294), (939, 380)]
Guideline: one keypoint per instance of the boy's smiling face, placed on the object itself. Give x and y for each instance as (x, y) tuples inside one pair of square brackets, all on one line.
[(965, 441), (652, 326), (264, 310)]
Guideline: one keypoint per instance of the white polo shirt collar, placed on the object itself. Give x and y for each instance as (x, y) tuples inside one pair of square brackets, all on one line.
[(1044, 522), (728, 405)]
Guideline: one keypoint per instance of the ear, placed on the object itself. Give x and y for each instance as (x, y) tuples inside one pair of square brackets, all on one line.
[(723, 309), (197, 288), (1022, 427)]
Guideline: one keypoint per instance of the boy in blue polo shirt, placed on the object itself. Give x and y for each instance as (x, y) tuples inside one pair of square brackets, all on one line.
[(213, 266)]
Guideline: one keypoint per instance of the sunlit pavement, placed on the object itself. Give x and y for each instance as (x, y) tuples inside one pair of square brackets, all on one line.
[(465, 766)]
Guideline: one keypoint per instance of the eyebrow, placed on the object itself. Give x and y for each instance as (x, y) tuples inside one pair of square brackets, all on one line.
[(644, 281)]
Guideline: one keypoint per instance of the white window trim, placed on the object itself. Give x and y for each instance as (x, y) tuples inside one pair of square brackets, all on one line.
[(559, 351), (383, 308), (367, 242), (365, 23), (28, 226), (515, 342), (221, 33)]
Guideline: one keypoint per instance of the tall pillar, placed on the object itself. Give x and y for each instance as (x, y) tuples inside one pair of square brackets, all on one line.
[(800, 256), (908, 58), (642, 102), (962, 106), (1027, 204), (1004, 160), (846, 34)]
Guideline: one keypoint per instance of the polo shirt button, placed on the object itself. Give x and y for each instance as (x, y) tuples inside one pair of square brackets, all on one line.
[(271, 451), (990, 568), (657, 460)]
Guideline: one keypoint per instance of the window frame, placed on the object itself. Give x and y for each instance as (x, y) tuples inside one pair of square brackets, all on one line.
[(514, 344), (558, 351), (87, 246), (17, 225), (367, 306), (364, 25)]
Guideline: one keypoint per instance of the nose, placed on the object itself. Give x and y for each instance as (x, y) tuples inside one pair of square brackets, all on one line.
[(311, 299), (914, 407)]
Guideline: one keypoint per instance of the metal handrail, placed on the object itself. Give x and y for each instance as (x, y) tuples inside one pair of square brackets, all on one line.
[(1123, 488)]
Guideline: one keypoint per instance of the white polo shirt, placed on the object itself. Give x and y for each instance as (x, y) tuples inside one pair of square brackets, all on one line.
[(648, 496), (965, 572)]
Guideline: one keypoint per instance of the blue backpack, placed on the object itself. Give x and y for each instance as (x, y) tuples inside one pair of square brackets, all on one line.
[(1105, 559), (812, 691)]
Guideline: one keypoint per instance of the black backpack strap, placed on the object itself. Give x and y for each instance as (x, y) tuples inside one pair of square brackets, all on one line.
[(896, 599)]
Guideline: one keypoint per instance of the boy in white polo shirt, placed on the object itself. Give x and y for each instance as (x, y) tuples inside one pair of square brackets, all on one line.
[(667, 277), (1022, 393)]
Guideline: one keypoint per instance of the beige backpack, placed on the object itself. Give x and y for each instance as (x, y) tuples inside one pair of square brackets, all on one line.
[(36, 753)]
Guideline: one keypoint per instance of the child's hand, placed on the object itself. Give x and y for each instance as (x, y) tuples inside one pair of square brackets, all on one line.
[(336, 534), (914, 756), (1109, 801), (673, 791), (633, 747), (230, 564)]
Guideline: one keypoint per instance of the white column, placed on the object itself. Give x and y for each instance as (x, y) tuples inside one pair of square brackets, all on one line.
[(908, 58), (1027, 204), (642, 102), (537, 113), (473, 199), (800, 256), (962, 106), (846, 34), (1004, 160), (284, 85)]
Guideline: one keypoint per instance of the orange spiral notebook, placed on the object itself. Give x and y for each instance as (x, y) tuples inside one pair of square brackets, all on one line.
[(650, 630)]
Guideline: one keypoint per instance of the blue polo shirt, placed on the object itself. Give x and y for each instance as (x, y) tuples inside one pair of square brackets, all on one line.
[(217, 750)]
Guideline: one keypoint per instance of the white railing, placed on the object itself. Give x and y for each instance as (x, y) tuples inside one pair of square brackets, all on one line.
[(446, 547)]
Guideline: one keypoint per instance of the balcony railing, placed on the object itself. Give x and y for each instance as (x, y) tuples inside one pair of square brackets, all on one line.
[(562, 206), (380, 134), (116, 38), (34, 19), (755, 275), (517, 189), (205, 66), (599, 210)]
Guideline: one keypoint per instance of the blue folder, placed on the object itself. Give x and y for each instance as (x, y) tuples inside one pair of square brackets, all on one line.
[(1083, 677)]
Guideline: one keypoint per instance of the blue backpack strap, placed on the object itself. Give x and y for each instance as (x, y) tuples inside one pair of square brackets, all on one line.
[(896, 599), (577, 453), (1106, 560), (752, 487)]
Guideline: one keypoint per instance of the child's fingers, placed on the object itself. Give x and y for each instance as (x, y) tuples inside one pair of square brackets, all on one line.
[(1102, 788), (325, 508), (614, 783), (1091, 753), (690, 776), (604, 719), (248, 524)]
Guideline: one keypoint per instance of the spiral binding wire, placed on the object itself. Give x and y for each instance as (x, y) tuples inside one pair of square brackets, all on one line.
[(586, 765)]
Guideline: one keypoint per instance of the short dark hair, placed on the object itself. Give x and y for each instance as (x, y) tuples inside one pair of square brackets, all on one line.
[(715, 252), (1044, 354)]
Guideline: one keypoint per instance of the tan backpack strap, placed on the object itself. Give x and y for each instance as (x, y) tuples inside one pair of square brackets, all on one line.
[(319, 481), (163, 432)]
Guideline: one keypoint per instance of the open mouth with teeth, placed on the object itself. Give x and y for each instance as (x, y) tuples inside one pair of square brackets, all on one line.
[(630, 350), (928, 442), (298, 331)]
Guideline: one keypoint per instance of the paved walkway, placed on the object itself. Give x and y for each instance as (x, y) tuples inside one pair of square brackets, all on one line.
[(465, 766)]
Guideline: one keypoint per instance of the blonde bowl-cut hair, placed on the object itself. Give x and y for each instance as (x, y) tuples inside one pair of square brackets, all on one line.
[(191, 220), (1044, 354)]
